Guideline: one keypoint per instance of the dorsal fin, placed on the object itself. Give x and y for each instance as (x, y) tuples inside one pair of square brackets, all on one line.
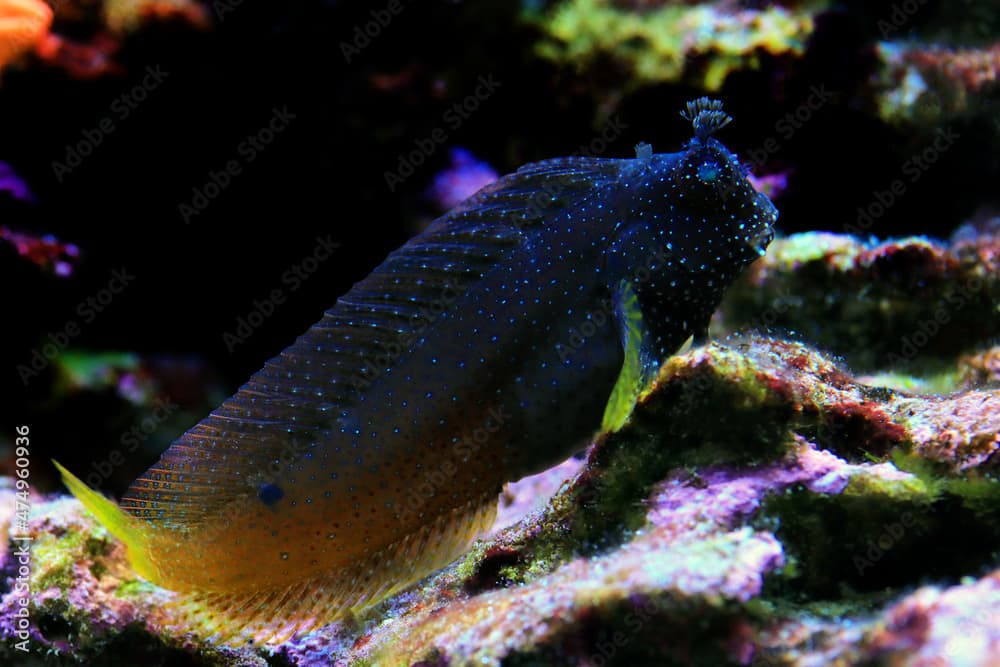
[(536, 191), (295, 401)]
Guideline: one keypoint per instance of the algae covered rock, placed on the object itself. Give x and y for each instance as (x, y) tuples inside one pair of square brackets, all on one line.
[(910, 305), (700, 44), (921, 85), (762, 506)]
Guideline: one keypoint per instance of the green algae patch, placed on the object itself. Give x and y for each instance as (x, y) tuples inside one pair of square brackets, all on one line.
[(469, 563), (905, 306), (979, 492), (700, 45), (54, 558), (683, 410), (676, 425), (56, 553), (892, 537), (134, 589), (533, 548), (905, 488), (933, 377)]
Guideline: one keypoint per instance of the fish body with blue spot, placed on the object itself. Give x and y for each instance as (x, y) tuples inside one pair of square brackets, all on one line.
[(490, 346)]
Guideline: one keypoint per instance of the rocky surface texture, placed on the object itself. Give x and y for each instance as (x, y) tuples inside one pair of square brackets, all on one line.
[(908, 305), (761, 507), (698, 44), (816, 487)]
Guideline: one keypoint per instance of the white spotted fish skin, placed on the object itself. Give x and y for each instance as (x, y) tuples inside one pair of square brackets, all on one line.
[(372, 450)]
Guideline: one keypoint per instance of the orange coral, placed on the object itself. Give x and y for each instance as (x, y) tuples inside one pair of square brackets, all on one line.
[(23, 24), (90, 54)]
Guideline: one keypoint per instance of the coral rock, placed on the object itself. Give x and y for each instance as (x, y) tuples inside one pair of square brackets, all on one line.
[(792, 531), (23, 24), (699, 44), (926, 86), (912, 302)]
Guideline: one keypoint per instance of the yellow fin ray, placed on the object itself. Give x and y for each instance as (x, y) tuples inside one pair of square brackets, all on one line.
[(272, 616), (116, 521)]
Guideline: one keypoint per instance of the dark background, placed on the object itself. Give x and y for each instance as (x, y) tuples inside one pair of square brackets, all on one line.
[(325, 173)]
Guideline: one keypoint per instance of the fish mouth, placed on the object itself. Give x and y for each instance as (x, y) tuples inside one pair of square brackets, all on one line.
[(765, 233), (761, 240)]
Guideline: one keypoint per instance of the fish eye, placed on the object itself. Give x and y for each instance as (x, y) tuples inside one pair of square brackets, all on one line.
[(708, 172)]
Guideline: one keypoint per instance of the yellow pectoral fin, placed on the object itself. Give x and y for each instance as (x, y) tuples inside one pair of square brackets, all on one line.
[(635, 373), (116, 521)]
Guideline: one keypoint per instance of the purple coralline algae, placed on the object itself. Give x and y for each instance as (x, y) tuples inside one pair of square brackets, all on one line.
[(799, 530), (12, 183), (464, 176)]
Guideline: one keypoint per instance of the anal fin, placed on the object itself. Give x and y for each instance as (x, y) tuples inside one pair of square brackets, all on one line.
[(273, 615)]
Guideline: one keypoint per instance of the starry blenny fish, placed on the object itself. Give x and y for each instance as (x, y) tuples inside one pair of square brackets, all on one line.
[(490, 346)]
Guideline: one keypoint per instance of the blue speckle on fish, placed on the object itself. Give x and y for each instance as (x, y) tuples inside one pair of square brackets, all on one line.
[(269, 494), (488, 347)]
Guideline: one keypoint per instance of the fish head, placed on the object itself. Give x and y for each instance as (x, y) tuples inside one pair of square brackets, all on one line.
[(728, 221), (688, 224), (695, 211), (698, 205)]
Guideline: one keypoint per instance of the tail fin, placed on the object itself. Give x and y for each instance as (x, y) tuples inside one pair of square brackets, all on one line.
[(116, 521)]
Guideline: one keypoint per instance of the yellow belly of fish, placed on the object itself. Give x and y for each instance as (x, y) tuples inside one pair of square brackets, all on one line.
[(250, 570), (319, 584)]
